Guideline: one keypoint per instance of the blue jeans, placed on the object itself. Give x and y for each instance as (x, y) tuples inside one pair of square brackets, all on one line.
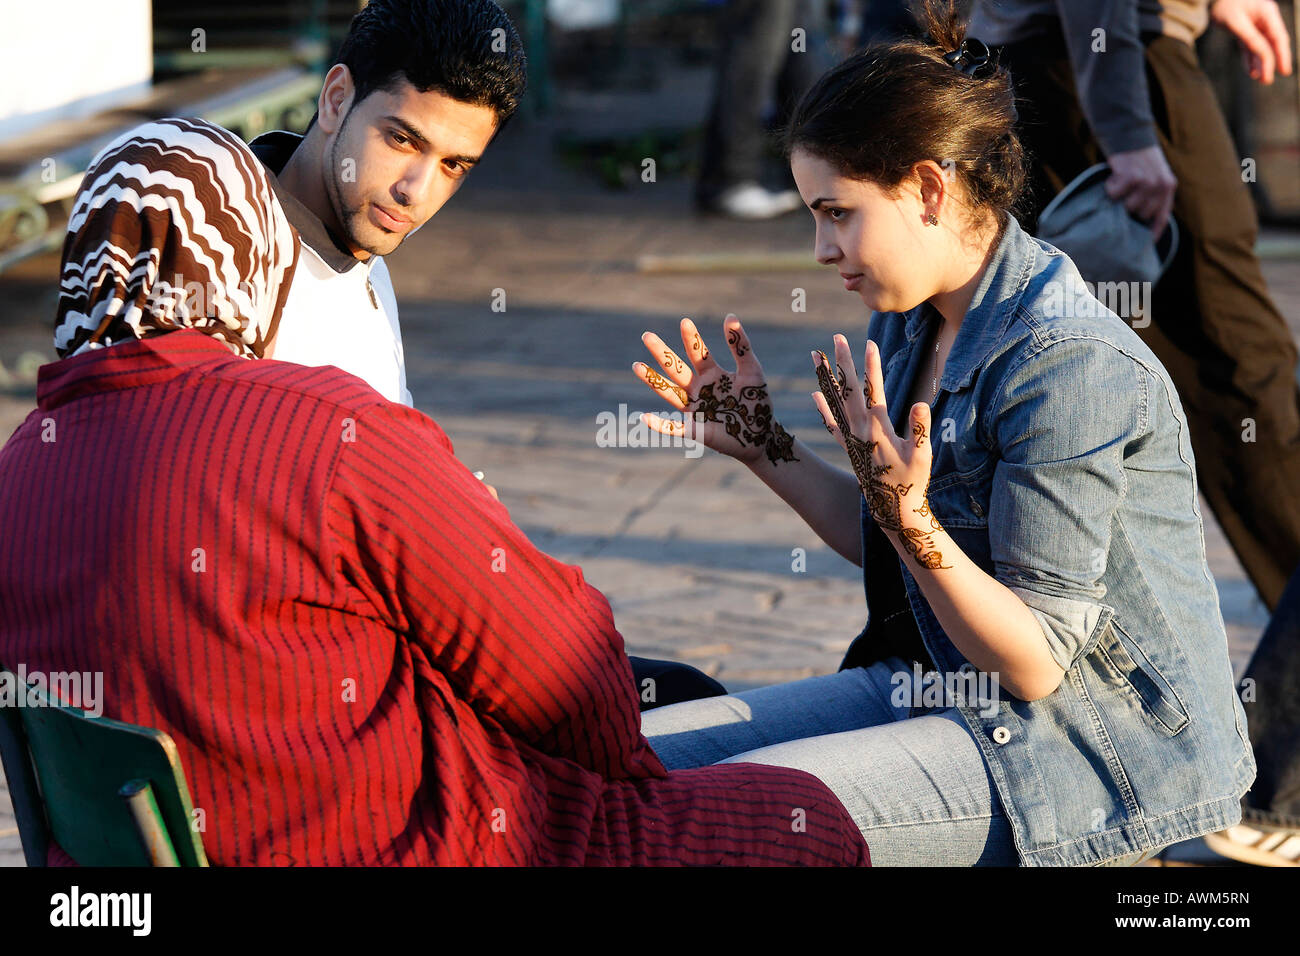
[(913, 778)]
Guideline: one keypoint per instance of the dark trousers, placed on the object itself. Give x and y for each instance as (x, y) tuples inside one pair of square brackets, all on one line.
[(1271, 690), (755, 65), (1225, 345), (659, 683)]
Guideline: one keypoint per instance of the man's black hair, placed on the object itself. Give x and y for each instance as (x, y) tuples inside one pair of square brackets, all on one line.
[(466, 49)]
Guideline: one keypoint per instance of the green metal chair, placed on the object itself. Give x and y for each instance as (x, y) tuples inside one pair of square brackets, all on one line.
[(109, 793)]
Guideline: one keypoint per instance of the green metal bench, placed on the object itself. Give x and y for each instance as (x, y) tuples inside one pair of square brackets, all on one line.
[(41, 170), (108, 793)]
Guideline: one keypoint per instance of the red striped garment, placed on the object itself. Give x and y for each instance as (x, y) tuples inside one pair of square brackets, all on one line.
[(361, 659)]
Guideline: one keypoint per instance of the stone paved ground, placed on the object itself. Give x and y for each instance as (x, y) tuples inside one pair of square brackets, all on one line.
[(694, 555)]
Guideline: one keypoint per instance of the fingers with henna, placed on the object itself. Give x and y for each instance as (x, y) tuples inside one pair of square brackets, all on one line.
[(674, 368), (696, 350), (738, 342), (674, 395)]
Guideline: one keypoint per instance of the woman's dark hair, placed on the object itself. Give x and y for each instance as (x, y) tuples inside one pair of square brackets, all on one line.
[(893, 105), (466, 49)]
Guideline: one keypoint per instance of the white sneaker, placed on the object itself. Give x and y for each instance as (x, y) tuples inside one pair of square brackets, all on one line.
[(751, 201), (1260, 847)]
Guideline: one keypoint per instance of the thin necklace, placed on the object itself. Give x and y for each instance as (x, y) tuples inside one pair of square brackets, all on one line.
[(934, 379)]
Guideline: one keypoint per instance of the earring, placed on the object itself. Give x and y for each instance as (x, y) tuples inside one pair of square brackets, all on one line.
[(932, 219)]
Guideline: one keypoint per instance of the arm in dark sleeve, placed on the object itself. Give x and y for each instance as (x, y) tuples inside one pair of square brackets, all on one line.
[(1109, 71)]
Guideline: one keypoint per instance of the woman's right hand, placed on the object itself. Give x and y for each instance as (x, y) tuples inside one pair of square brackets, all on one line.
[(730, 412)]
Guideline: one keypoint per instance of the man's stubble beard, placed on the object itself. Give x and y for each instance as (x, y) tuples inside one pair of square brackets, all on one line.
[(342, 213)]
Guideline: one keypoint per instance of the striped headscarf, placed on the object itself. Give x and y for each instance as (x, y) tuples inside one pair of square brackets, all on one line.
[(175, 226)]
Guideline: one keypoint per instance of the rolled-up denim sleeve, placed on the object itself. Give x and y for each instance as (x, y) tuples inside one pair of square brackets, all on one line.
[(1064, 419)]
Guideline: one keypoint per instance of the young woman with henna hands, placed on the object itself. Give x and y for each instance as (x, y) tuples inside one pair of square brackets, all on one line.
[(1044, 675)]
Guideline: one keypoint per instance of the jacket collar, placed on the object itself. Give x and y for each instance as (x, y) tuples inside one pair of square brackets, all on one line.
[(146, 361), (273, 150), (991, 308)]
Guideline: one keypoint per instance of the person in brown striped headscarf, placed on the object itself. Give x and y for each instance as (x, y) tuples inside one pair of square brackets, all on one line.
[(283, 571), (175, 226)]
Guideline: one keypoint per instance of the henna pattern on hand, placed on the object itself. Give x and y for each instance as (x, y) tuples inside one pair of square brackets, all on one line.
[(699, 348), (859, 451), (844, 386), (658, 382), (673, 362), (749, 426), (884, 500), (918, 431), (780, 445), (920, 543), (733, 339)]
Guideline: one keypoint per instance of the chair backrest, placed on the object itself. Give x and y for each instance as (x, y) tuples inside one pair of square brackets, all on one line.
[(91, 784)]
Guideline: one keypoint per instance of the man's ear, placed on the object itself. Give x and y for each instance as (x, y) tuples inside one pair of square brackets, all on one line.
[(335, 99)]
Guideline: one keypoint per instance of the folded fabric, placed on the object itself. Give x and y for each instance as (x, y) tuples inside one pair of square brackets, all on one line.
[(1105, 241)]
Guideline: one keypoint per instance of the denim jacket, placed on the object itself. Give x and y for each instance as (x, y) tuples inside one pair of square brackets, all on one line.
[(1063, 467)]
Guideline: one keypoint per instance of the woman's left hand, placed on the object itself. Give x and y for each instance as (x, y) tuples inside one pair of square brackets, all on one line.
[(894, 471)]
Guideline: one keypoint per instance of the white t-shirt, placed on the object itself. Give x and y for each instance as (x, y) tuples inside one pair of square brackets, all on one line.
[(332, 318), (339, 311)]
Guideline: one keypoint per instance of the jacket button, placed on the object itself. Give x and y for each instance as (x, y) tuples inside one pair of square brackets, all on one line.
[(975, 507), (1001, 735)]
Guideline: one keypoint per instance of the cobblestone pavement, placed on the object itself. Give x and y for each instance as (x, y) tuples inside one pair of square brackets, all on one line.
[(694, 555)]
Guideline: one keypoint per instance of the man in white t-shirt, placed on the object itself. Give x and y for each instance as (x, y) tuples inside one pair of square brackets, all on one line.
[(341, 310), (418, 90)]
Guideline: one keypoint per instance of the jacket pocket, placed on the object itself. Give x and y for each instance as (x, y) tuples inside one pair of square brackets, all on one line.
[(1120, 653), (960, 500)]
